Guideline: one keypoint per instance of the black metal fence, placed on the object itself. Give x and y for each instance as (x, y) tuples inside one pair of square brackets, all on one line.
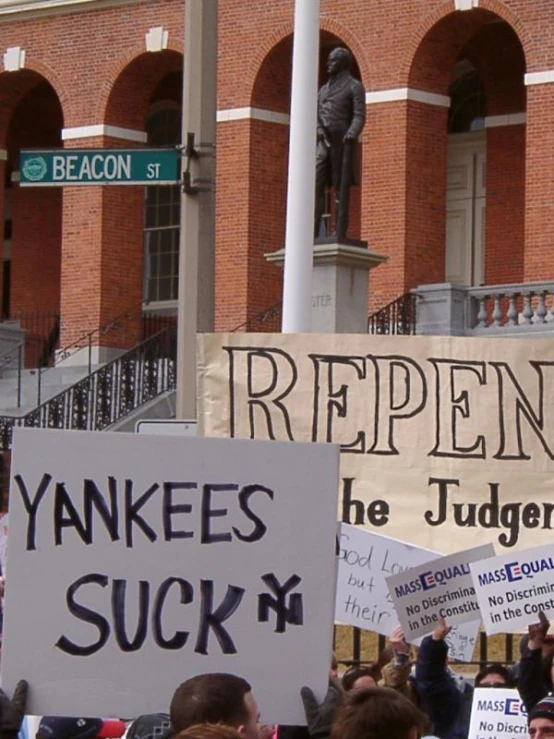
[(109, 394), (397, 318), (502, 648)]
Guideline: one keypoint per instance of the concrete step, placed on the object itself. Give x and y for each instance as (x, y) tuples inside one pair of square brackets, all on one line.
[(53, 381)]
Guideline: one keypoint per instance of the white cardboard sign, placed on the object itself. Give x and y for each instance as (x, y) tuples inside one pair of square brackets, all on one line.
[(138, 561), (497, 713), (442, 587), (366, 559), (513, 588)]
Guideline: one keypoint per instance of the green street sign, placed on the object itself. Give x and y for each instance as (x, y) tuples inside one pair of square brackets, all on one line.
[(63, 167)]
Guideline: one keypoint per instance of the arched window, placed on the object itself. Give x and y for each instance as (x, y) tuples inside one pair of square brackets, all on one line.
[(468, 105), (162, 213)]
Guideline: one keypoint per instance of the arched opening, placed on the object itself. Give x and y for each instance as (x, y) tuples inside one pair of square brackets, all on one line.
[(33, 224), (265, 141), (148, 85), (468, 199)]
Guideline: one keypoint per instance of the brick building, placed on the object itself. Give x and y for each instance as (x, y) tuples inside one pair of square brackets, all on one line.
[(456, 178)]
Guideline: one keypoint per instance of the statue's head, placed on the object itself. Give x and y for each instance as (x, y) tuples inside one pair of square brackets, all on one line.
[(339, 59)]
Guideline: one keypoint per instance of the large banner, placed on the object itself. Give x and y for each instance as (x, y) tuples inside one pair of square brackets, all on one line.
[(446, 442), (136, 562)]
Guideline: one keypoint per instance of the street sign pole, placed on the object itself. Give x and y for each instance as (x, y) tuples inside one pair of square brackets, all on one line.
[(198, 201)]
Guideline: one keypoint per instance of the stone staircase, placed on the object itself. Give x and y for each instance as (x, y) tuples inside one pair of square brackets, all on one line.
[(21, 392)]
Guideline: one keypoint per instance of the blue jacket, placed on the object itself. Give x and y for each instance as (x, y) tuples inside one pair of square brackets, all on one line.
[(447, 706)]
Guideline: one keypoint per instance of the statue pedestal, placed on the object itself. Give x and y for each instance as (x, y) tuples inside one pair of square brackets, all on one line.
[(339, 286)]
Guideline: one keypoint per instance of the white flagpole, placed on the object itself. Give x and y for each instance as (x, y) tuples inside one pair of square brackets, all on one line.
[(299, 240)]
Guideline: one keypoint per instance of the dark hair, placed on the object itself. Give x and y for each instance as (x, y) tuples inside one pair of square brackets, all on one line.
[(353, 673), (209, 731), (374, 713), (212, 698), (495, 669)]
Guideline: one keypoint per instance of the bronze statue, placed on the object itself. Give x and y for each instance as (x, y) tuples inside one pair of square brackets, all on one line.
[(340, 120)]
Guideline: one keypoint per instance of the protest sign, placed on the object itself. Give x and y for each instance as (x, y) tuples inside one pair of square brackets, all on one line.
[(513, 589), (366, 559), (138, 561), (443, 439), (497, 713), (442, 587)]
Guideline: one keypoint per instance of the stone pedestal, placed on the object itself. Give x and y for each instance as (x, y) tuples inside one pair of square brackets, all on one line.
[(339, 285), (441, 309)]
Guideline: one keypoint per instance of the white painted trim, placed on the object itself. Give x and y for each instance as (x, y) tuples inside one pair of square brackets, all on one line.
[(85, 132), (33, 8), (255, 114), (466, 4), (499, 121), (407, 93), (539, 78)]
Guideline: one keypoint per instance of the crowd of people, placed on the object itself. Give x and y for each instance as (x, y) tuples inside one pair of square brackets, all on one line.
[(404, 695)]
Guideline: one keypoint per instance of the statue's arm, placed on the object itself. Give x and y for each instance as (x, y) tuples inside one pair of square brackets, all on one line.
[(358, 107)]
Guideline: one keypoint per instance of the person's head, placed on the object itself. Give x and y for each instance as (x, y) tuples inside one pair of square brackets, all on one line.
[(374, 713), (215, 698), (541, 719), (338, 60), (494, 676), (209, 731), (364, 676)]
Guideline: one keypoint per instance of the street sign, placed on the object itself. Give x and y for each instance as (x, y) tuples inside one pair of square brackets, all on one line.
[(166, 427), (63, 167)]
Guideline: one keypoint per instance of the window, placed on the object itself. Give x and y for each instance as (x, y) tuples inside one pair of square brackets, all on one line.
[(468, 105), (162, 215)]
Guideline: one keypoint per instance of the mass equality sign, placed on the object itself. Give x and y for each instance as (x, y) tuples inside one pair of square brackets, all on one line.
[(138, 561), (441, 437), (513, 589), (59, 167), (363, 599), (497, 714), (440, 588)]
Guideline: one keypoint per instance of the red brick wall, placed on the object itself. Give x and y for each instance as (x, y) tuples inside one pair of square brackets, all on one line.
[(96, 63), (505, 215), (36, 215), (539, 184)]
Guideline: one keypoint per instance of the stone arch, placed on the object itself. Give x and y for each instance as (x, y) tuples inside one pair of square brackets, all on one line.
[(468, 20), (32, 216), (285, 31), (136, 73)]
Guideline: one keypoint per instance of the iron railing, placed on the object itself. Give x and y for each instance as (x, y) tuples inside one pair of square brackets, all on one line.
[(268, 320), (41, 354), (503, 652), (109, 394), (397, 318), (42, 334)]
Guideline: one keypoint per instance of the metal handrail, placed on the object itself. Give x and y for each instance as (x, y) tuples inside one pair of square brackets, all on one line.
[(396, 318), (108, 394), (274, 311)]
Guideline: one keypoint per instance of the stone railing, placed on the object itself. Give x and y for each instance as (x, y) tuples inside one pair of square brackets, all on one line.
[(520, 309)]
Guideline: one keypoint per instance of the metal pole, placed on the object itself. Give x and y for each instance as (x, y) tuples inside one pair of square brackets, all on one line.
[(197, 203), (299, 240)]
